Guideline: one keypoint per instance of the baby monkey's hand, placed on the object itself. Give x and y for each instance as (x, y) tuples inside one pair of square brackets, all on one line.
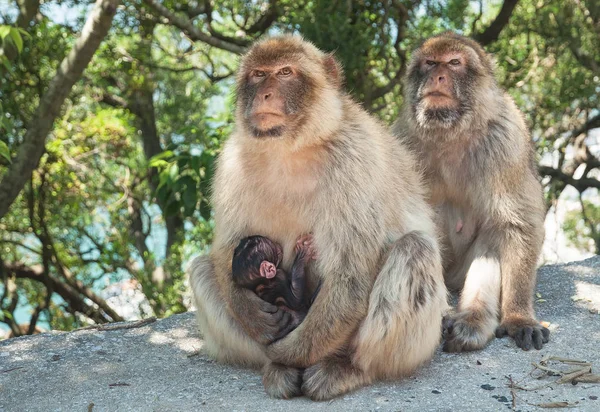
[(305, 248)]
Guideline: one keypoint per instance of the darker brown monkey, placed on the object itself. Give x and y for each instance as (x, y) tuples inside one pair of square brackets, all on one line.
[(255, 266), (479, 162), (305, 158)]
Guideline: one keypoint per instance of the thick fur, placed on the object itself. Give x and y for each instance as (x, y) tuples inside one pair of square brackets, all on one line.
[(481, 173), (342, 177)]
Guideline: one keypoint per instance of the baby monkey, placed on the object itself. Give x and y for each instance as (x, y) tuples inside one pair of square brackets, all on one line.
[(255, 266)]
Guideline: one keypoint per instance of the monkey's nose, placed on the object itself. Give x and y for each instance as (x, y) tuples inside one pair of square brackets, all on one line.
[(268, 95), (441, 79)]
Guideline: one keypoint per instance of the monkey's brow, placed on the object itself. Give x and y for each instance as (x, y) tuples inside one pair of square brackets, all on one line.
[(449, 55), (274, 66)]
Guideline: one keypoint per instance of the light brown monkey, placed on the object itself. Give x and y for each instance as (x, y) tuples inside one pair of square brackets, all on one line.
[(305, 158), (479, 161)]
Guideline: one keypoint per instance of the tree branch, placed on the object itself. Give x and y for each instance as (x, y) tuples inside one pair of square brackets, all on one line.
[(70, 71), (192, 31), (579, 184), (71, 295), (265, 21), (492, 33)]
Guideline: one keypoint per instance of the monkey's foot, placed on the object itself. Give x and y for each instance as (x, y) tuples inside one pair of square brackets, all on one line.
[(282, 382), (332, 377), (525, 331), (467, 331)]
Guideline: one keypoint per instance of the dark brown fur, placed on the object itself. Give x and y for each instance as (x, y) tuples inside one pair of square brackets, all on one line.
[(286, 290), (477, 157)]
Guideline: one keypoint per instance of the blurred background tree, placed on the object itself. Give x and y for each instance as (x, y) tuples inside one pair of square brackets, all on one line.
[(104, 180)]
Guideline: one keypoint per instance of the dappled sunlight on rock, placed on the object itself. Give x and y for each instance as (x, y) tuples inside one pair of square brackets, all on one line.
[(588, 295)]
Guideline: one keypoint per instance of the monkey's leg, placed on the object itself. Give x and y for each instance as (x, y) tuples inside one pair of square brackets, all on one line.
[(476, 318), (519, 259), (402, 327), (224, 338)]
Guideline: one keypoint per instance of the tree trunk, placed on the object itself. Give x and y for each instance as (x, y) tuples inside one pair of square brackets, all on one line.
[(70, 71)]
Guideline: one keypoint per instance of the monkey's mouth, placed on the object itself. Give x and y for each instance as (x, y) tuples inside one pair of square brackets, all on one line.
[(437, 94), (276, 131), (267, 123)]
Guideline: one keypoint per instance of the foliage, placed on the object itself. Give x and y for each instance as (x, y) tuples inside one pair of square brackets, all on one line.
[(122, 191)]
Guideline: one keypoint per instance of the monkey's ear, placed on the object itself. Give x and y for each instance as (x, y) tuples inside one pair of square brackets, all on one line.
[(334, 70)]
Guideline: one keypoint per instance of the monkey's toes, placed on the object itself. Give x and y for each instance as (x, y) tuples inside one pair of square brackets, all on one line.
[(463, 333), (331, 378), (526, 333), (282, 382), (319, 384)]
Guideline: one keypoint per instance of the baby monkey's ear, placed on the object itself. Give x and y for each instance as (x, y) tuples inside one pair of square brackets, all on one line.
[(268, 269)]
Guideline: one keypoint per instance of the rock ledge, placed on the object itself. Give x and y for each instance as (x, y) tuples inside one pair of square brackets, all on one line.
[(158, 366)]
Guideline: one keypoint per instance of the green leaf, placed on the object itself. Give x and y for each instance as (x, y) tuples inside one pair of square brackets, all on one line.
[(164, 155), (195, 163), (24, 33), (16, 37), (5, 62), (157, 163), (4, 151), (205, 210), (173, 171), (190, 198), (4, 31)]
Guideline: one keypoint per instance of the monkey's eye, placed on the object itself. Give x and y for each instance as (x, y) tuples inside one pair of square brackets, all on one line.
[(286, 71), (454, 62), (430, 62), (258, 73)]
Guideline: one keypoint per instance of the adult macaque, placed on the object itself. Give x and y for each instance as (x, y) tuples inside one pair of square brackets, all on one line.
[(328, 168), (479, 163), (255, 266)]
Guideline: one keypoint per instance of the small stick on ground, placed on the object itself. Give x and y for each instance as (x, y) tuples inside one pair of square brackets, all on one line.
[(570, 361), (546, 369), (512, 391), (11, 369), (589, 378), (569, 377), (555, 405), (129, 325)]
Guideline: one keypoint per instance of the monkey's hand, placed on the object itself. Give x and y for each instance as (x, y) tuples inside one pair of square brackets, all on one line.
[(289, 351), (526, 332), (264, 322)]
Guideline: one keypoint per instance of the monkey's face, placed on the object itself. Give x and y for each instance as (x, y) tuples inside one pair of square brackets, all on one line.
[(441, 81), (439, 94), (273, 94), (280, 85)]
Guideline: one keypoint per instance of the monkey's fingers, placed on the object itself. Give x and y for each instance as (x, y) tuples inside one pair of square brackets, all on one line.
[(268, 307), (524, 338), (526, 335), (540, 336), (285, 324)]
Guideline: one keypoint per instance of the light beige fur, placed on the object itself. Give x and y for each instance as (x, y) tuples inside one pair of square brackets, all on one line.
[(344, 178)]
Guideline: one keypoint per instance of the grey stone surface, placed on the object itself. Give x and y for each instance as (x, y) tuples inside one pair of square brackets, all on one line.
[(158, 368)]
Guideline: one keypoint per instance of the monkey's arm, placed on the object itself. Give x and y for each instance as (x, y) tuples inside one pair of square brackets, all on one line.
[(349, 248), (298, 280), (519, 245), (263, 321)]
